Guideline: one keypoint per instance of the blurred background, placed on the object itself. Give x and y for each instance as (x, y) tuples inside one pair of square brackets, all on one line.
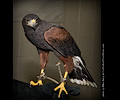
[(81, 18)]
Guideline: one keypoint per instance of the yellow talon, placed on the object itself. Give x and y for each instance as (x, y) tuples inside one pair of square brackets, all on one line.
[(62, 88), (38, 83)]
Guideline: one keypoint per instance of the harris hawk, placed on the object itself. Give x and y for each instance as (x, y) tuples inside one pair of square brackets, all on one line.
[(46, 37)]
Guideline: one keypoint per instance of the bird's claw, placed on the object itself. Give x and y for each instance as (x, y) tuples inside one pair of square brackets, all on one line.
[(38, 83), (40, 78), (62, 88)]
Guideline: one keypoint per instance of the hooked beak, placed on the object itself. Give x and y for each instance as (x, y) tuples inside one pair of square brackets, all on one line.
[(32, 23)]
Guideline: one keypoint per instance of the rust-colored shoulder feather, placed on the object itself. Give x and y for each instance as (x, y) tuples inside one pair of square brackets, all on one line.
[(62, 41)]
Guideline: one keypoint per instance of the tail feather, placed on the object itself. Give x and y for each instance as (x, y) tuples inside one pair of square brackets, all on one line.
[(80, 74)]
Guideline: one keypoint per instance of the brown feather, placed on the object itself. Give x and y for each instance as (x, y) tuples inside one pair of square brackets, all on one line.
[(44, 56), (56, 35), (62, 41), (68, 63)]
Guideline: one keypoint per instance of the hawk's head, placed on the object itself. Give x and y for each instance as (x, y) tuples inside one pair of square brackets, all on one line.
[(31, 20)]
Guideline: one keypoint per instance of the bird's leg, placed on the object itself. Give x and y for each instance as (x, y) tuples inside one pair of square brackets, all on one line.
[(61, 86), (40, 78), (43, 62)]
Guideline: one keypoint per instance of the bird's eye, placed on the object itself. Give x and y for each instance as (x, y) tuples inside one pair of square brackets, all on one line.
[(37, 20), (26, 20)]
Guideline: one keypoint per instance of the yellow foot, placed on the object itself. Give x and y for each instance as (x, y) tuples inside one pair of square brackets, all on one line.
[(38, 83), (62, 88)]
